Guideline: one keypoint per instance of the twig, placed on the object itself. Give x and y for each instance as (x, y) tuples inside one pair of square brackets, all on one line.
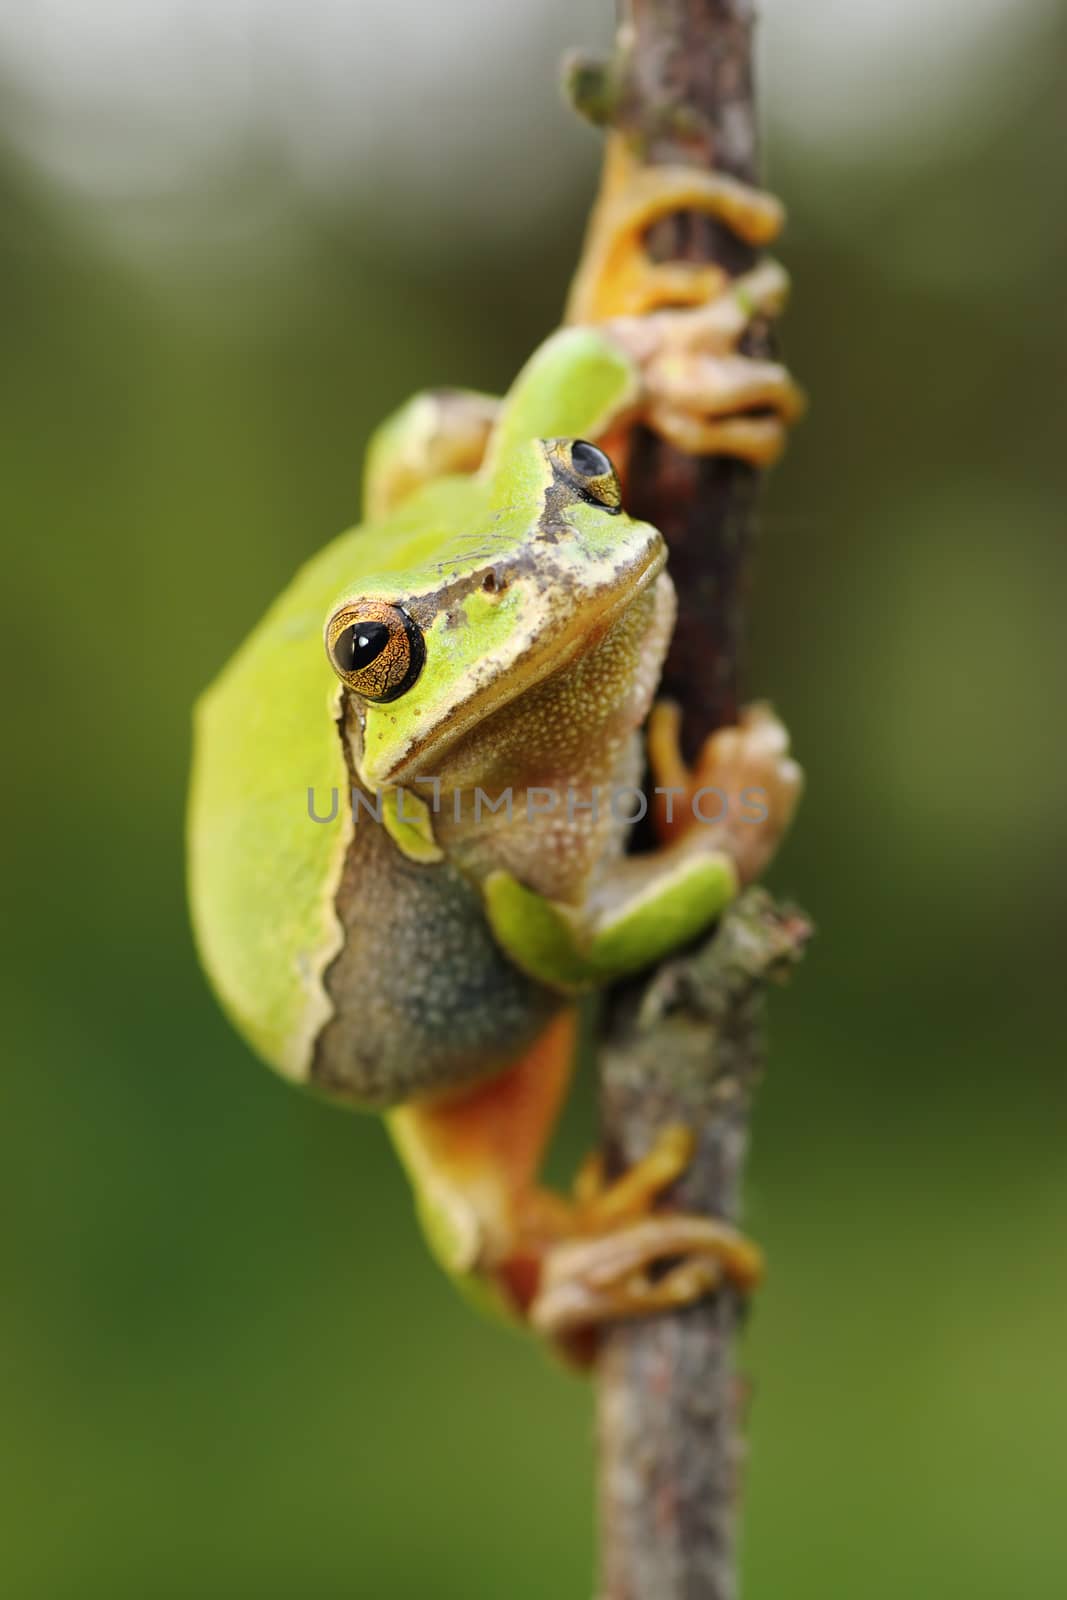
[(688, 1049), (680, 87), (689, 1046)]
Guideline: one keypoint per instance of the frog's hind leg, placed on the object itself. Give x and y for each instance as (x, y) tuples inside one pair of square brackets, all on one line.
[(563, 1264), (474, 1159), (435, 434)]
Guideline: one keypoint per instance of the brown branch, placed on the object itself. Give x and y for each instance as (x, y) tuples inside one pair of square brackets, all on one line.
[(688, 1047), (680, 87)]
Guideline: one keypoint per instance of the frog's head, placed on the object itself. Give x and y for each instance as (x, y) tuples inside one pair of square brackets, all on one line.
[(470, 608)]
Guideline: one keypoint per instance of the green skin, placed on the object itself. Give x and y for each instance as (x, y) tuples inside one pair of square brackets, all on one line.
[(386, 964)]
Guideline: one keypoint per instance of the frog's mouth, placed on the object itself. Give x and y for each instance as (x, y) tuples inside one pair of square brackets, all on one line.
[(537, 656)]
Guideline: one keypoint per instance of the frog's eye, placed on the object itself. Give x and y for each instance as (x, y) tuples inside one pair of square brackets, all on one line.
[(588, 461), (595, 475), (375, 648)]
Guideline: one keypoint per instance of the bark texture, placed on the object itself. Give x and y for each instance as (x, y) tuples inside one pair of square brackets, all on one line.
[(687, 1048), (687, 1045)]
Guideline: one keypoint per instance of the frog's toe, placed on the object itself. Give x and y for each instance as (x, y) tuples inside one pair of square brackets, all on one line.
[(620, 1258), (725, 405), (751, 766), (758, 440), (603, 1204), (640, 1268), (650, 285), (763, 291), (715, 387), (746, 772), (702, 393), (720, 321)]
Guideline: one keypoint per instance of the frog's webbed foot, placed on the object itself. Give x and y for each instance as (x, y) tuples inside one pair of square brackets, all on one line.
[(739, 795), (622, 1259), (435, 434), (683, 323), (699, 391)]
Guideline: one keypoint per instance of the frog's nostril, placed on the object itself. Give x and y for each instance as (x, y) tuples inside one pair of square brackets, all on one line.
[(492, 583)]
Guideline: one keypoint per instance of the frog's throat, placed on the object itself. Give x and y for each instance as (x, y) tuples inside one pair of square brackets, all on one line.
[(544, 657)]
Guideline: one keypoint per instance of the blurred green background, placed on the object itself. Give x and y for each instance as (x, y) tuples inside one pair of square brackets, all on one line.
[(231, 238)]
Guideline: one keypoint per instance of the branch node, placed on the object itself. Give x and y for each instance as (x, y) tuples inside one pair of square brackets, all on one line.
[(592, 85)]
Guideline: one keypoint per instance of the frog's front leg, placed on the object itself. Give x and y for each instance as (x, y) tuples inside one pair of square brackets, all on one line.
[(720, 823), (434, 434)]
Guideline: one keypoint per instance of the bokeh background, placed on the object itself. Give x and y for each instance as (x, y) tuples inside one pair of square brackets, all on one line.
[(232, 236)]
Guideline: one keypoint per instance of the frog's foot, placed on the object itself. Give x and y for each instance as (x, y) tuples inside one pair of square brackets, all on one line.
[(720, 822), (617, 277), (623, 1260), (740, 794), (657, 1265), (435, 434), (699, 391), (562, 1264)]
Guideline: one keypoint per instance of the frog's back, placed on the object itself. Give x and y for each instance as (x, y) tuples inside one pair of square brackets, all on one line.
[(262, 873)]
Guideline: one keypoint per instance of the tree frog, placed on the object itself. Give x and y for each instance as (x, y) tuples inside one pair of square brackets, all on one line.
[(406, 841)]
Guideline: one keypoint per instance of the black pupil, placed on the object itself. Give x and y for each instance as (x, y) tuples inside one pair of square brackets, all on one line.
[(588, 460), (360, 644)]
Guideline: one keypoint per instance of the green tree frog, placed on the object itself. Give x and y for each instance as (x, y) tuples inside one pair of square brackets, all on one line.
[(407, 859)]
